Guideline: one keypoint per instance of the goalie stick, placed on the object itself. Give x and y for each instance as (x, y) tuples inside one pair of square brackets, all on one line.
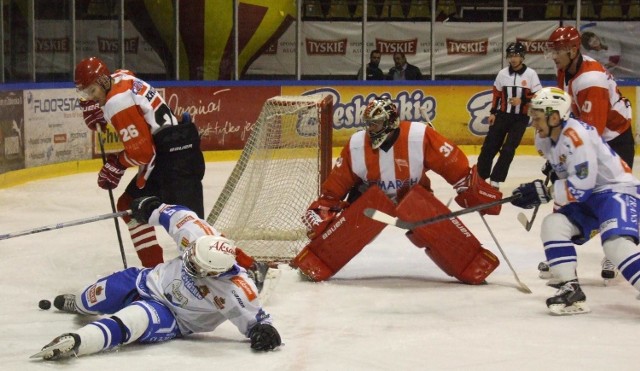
[(64, 224), (521, 286), (392, 220)]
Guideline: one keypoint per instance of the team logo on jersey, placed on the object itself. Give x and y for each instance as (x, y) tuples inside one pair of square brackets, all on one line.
[(575, 138), (246, 288), (96, 293), (339, 162), (203, 290), (582, 170), (219, 302)]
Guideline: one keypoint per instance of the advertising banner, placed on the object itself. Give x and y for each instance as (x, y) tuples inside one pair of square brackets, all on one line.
[(11, 131), (224, 115), (460, 113), (461, 48), (54, 130)]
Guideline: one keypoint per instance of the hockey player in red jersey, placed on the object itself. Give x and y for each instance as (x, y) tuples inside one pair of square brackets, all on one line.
[(166, 152), (385, 168), (596, 101), (596, 97)]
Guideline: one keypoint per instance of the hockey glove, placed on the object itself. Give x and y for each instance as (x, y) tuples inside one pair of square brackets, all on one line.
[(92, 114), (547, 170), (264, 337), (111, 173), (320, 214), (531, 194), (473, 190), (143, 207)]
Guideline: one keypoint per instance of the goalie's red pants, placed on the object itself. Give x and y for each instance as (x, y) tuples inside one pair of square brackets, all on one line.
[(448, 243)]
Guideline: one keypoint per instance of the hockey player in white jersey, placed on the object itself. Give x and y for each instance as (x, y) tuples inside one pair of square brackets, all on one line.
[(193, 293), (595, 193)]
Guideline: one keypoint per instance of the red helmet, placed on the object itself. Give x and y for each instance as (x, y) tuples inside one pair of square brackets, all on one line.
[(565, 37), (88, 71)]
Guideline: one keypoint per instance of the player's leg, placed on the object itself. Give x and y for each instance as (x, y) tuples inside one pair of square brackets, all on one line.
[(344, 238), (144, 321), (143, 235), (558, 233), (448, 243), (619, 214), (107, 295)]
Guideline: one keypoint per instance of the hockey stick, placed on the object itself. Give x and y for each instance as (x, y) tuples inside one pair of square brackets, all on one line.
[(392, 220), (113, 204), (521, 286), (64, 224), (526, 223)]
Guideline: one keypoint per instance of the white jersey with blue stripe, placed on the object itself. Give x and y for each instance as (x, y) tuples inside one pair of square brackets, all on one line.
[(585, 164)]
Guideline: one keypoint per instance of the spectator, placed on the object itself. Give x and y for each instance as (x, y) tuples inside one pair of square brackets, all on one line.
[(373, 71), (403, 70)]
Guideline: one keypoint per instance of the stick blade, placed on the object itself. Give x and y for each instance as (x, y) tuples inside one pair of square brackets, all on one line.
[(524, 221), (380, 216)]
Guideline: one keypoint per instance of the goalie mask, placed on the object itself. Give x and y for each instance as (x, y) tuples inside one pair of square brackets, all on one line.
[(549, 100), (90, 71), (380, 118), (209, 256)]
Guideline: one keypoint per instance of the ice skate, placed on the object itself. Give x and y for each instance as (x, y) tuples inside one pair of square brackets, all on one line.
[(543, 271), (63, 346), (569, 299), (609, 270), (65, 303)]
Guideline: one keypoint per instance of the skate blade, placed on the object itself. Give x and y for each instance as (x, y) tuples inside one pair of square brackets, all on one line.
[(579, 307), (67, 344)]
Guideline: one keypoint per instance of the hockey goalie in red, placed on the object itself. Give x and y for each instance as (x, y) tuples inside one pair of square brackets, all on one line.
[(386, 167)]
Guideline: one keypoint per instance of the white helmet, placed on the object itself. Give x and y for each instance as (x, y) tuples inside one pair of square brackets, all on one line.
[(209, 256), (550, 100)]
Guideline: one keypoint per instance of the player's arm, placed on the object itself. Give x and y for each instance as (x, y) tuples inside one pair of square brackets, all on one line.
[(448, 160), (322, 211), (182, 224), (582, 169), (593, 105)]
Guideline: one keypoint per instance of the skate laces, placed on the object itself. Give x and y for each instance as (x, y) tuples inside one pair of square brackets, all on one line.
[(607, 265), (568, 288)]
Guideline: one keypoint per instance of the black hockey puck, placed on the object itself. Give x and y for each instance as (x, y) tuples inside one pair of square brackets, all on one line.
[(44, 304)]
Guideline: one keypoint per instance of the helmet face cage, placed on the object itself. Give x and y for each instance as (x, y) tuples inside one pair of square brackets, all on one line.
[(208, 256), (380, 111), (551, 100), (516, 48)]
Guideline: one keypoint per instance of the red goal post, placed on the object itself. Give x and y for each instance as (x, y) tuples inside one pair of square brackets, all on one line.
[(282, 166)]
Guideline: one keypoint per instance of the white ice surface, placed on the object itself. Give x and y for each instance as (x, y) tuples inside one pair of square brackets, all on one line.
[(390, 308)]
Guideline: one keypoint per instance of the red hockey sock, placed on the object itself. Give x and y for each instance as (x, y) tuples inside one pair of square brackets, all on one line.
[(146, 244)]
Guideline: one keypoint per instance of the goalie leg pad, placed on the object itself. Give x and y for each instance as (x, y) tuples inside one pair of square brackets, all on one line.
[(344, 238), (448, 243)]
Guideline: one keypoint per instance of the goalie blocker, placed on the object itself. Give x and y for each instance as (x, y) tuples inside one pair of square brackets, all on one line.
[(448, 243)]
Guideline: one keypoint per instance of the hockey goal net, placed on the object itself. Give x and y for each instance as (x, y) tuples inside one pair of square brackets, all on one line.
[(279, 173)]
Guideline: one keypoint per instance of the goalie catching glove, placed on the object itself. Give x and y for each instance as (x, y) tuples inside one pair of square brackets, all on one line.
[(320, 214), (473, 191), (531, 194), (264, 337)]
